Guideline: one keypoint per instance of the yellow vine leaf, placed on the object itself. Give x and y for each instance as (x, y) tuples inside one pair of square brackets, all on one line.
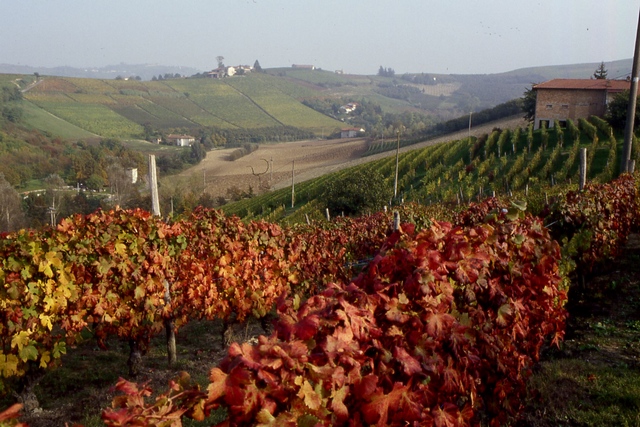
[(45, 321), (45, 267), (54, 259), (50, 304), (264, 417), (20, 340), (45, 359), (9, 365), (139, 292), (121, 249)]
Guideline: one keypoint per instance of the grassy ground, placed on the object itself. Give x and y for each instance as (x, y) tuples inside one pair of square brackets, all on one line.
[(78, 391), (592, 380)]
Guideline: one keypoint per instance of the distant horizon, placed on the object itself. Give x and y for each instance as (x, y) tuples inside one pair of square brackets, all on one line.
[(104, 68)]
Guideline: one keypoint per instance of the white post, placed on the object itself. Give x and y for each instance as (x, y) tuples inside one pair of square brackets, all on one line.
[(153, 182)]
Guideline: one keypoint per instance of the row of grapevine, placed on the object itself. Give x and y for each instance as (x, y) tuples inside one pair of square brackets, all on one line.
[(526, 159), (443, 326), (130, 275)]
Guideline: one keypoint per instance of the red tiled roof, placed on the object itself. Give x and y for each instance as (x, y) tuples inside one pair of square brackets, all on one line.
[(585, 84), (172, 136)]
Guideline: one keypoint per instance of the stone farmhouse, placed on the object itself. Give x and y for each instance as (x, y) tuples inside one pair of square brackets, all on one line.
[(563, 99)]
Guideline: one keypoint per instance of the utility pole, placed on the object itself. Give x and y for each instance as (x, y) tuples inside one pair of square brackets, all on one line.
[(631, 110)]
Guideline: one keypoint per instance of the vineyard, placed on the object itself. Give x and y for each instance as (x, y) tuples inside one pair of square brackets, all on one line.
[(426, 316), (515, 162), (119, 108)]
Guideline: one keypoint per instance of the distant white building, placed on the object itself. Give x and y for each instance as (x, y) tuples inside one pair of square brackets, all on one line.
[(348, 108), (220, 73), (350, 132), (304, 66), (181, 140)]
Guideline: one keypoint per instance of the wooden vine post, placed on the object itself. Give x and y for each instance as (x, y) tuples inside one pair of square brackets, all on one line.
[(155, 210), (583, 168)]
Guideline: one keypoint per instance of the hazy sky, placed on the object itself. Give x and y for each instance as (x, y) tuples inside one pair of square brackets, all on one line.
[(357, 36)]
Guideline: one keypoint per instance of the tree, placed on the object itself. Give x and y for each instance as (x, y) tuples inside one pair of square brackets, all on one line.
[(220, 60), (529, 103), (601, 72), (386, 72), (617, 111), (10, 93), (356, 193), (13, 113), (256, 67), (11, 215), (196, 153)]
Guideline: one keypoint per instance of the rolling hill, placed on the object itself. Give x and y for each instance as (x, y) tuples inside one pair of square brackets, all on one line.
[(75, 108)]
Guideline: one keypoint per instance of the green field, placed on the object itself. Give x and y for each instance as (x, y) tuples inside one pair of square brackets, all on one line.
[(37, 118), (94, 118)]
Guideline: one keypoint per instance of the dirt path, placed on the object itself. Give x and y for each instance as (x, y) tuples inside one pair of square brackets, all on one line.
[(312, 158)]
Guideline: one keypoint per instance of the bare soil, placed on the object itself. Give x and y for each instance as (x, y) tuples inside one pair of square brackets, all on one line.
[(311, 159)]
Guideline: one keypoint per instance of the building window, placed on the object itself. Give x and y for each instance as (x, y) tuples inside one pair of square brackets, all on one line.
[(564, 107), (549, 106)]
